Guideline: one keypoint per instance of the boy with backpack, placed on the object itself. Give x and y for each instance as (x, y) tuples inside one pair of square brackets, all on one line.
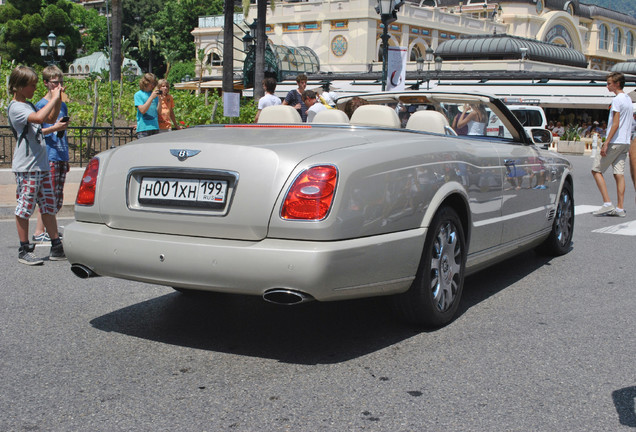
[(30, 162)]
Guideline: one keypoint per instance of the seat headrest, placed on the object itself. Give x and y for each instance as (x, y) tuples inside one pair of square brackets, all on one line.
[(331, 116), (279, 114), (428, 121), (375, 115)]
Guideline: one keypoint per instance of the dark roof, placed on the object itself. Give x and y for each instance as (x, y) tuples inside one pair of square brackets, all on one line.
[(591, 11), (580, 9), (507, 47), (626, 67)]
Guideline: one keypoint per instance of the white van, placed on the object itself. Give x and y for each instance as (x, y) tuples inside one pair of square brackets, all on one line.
[(530, 116)]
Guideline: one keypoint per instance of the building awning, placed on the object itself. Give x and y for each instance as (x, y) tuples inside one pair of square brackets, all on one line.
[(549, 95), (507, 47), (626, 67), (282, 62)]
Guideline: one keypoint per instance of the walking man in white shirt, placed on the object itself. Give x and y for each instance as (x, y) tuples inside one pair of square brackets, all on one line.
[(615, 148)]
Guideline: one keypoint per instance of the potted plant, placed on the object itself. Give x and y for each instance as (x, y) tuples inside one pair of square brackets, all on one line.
[(570, 142)]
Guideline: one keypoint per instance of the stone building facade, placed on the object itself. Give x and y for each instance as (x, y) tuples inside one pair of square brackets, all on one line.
[(346, 34)]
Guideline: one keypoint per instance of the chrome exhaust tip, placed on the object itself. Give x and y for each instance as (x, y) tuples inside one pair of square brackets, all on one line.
[(82, 272), (286, 297)]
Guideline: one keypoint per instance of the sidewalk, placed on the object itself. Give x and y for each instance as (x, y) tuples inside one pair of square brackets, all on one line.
[(8, 199)]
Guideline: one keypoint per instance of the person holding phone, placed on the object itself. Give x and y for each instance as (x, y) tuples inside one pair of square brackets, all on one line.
[(165, 108), (54, 131), (146, 102)]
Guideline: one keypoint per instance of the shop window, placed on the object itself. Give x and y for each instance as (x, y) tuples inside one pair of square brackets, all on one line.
[(603, 37)]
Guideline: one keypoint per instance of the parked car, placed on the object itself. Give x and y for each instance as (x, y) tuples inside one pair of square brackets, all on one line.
[(330, 210), (530, 116)]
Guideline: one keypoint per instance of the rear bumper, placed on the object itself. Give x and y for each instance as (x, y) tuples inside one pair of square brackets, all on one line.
[(362, 267)]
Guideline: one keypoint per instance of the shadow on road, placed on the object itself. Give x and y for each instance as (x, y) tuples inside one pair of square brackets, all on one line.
[(624, 400), (309, 333)]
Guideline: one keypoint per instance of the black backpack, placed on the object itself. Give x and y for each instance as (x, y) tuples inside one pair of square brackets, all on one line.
[(23, 135)]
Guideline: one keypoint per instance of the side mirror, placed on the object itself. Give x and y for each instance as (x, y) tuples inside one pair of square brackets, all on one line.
[(541, 137)]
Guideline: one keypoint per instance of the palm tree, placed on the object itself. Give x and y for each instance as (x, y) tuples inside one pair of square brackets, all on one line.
[(116, 16), (169, 56), (261, 38), (228, 47), (149, 39), (261, 41), (201, 63)]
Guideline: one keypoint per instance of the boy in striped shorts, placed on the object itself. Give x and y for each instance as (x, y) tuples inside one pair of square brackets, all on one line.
[(56, 145), (30, 162)]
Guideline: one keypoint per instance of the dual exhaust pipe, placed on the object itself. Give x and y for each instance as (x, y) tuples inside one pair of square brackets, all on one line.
[(82, 272), (286, 297)]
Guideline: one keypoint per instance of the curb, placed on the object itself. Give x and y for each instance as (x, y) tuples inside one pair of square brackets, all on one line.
[(8, 212)]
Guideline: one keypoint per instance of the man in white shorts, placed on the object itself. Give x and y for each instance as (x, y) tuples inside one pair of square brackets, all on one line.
[(615, 147)]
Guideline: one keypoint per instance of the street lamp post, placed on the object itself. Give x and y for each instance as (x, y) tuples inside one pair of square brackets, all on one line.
[(438, 67), (388, 14), (249, 46), (430, 55), (419, 62), (49, 49)]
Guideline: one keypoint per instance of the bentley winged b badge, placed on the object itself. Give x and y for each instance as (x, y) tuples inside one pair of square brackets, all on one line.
[(183, 154)]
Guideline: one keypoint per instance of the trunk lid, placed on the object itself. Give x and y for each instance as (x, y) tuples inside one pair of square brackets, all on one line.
[(251, 163)]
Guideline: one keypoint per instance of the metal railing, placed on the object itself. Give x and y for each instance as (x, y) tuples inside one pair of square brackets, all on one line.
[(83, 142)]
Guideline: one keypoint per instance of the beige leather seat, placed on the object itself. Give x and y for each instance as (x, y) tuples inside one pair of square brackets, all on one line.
[(332, 116), (375, 115), (279, 114), (428, 121)]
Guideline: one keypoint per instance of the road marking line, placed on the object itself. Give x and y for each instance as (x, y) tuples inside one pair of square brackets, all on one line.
[(582, 209), (627, 228)]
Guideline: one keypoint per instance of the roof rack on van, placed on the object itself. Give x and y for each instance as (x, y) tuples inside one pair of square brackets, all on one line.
[(520, 101)]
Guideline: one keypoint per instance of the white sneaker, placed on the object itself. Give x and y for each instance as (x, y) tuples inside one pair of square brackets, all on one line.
[(618, 213), (604, 210)]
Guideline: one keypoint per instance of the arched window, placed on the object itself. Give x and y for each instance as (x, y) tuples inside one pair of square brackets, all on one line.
[(603, 37), (79, 69), (72, 69), (629, 45), (215, 60), (416, 52), (618, 40), (87, 69)]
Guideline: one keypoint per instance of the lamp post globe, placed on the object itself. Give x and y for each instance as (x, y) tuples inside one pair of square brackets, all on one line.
[(61, 49), (52, 39)]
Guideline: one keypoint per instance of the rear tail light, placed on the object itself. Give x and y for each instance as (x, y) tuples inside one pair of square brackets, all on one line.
[(311, 195), (86, 192)]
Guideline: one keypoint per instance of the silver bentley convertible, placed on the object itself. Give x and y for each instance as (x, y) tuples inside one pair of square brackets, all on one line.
[(403, 199)]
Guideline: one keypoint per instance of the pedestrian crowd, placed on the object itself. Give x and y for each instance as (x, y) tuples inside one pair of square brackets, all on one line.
[(583, 128)]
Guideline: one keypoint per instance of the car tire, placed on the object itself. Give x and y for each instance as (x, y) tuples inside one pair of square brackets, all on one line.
[(433, 298), (560, 239)]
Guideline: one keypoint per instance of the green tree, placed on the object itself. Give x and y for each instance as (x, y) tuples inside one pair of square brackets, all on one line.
[(23, 35), (148, 40), (93, 28)]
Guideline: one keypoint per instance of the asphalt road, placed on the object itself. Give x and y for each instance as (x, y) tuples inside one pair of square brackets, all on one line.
[(539, 345)]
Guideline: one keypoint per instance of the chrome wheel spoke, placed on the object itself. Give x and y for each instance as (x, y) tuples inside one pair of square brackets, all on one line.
[(445, 267)]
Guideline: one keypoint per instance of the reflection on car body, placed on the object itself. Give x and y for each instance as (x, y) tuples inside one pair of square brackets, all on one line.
[(326, 211)]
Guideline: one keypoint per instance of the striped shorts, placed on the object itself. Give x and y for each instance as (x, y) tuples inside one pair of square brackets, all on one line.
[(34, 187), (58, 178)]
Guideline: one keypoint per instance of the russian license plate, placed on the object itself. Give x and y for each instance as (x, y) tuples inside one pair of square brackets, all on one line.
[(185, 190)]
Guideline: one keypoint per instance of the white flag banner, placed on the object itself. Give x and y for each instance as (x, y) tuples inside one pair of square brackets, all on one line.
[(396, 69)]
